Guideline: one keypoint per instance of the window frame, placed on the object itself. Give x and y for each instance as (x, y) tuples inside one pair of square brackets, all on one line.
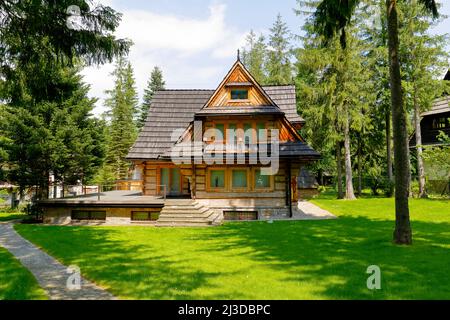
[(149, 214), (89, 214), (208, 180), (271, 182), (241, 91), (239, 189)]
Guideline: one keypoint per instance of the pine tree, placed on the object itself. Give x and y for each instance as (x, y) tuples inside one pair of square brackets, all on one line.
[(335, 93), (424, 59), (49, 127), (155, 83), (121, 101), (279, 66), (254, 55)]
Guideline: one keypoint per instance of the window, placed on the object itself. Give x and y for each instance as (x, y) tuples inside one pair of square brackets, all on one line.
[(217, 179), (439, 123), (144, 216), (239, 94), (248, 134), (240, 215), (232, 134), (261, 181), (88, 215), (239, 179), (262, 132), (220, 132)]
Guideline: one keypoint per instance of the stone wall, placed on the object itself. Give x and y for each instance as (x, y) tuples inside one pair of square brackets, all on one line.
[(120, 216)]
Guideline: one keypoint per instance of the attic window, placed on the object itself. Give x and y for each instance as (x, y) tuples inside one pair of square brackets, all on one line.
[(239, 94)]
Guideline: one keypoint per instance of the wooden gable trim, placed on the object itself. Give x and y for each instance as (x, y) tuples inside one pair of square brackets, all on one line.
[(290, 127), (253, 81)]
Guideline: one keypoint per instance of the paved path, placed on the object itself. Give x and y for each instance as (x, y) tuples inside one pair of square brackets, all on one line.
[(51, 275), (307, 210)]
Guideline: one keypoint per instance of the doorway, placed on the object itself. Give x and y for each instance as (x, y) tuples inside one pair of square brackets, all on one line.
[(171, 178)]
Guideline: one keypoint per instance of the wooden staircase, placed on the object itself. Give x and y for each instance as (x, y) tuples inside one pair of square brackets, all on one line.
[(187, 213)]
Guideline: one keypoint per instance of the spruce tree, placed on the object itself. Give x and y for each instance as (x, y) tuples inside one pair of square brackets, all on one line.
[(423, 59), (50, 131), (279, 66), (254, 55), (122, 102), (155, 83)]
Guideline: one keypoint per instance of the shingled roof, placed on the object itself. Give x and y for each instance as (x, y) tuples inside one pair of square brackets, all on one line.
[(441, 105), (175, 109)]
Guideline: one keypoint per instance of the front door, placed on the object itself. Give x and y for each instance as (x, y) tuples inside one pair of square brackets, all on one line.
[(171, 178)]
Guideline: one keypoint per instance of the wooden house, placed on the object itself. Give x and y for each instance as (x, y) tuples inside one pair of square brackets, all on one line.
[(434, 121), (235, 190), (205, 156)]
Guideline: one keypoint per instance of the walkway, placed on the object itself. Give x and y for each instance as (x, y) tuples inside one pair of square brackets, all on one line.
[(309, 211), (51, 275)]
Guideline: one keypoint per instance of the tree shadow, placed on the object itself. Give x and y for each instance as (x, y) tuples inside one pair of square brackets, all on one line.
[(334, 255), (123, 268)]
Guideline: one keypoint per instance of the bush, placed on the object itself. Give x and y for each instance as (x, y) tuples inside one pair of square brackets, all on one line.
[(321, 189), (34, 211)]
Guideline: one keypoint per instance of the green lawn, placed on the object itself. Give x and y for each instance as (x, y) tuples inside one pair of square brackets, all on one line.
[(16, 282), (257, 260), (7, 216)]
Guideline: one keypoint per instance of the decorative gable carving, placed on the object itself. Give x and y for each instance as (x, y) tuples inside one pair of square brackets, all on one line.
[(238, 78)]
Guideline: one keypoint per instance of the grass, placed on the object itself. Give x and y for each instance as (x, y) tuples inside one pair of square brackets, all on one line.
[(7, 215), (16, 282), (256, 260)]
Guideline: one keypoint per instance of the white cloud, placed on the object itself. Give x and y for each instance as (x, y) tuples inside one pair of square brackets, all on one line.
[(192, 52)]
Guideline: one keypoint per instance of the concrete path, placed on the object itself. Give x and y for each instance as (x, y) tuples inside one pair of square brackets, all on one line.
[(51, 275), (307, 210)]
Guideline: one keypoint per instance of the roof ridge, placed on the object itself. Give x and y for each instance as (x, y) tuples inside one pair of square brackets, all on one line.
[(163, 90)]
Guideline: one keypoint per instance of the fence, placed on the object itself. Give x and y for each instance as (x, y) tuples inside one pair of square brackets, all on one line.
[(69, 191)]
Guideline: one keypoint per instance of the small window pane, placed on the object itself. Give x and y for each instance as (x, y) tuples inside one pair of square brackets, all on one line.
[(239, 178), (239, 94), (80, 215), (144, 216), (261, 181), (248, 133), (262, 133), (140, 216), (98, 215), (217, 179), (220, 129), (232, 134)]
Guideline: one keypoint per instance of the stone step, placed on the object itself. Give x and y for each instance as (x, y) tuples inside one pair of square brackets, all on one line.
[(175, 225), (180, 208), (183, 212), (183, 218), (179, 202), (187, 215)]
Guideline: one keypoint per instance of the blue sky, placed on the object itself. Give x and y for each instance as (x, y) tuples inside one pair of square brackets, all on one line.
[(193, 41)]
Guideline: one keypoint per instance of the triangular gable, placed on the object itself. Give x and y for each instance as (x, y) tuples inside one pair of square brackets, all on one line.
[(239, 78)]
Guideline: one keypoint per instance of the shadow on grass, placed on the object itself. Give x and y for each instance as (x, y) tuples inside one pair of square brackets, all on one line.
[(335, 255), (127, 270), (17, 283), (317, 259)]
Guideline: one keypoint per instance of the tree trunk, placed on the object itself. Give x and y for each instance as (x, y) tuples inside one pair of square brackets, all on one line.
[(349, 192), (420, 168), (339, 170), (359, 166), (390, 175), (402, 232)]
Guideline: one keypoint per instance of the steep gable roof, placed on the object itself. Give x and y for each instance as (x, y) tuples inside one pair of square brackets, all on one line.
[(238, 76), (175, 109)]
